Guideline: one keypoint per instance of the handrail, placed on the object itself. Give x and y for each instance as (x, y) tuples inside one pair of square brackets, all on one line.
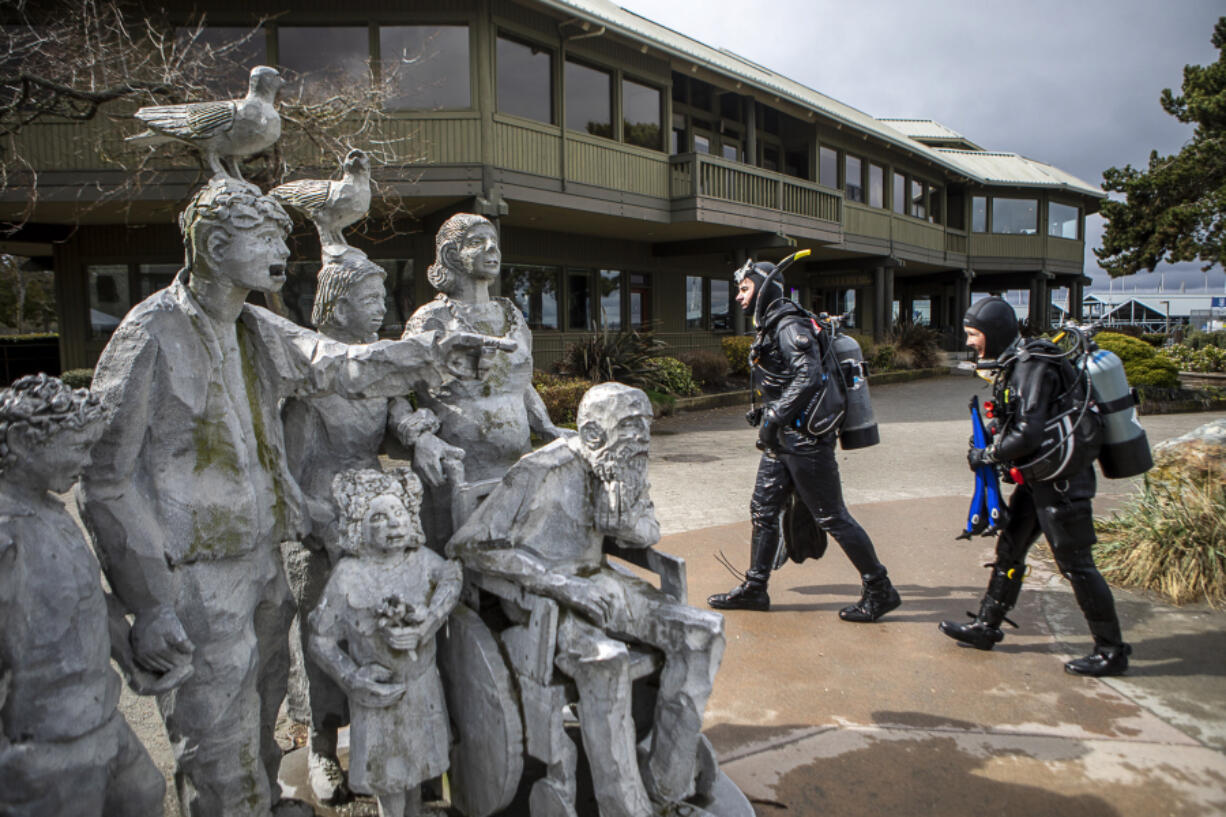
[(699, 174)]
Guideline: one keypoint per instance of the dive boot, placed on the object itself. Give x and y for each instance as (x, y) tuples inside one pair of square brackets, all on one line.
[(1110, 656), (877, 598), (983, 631), (748, 595)]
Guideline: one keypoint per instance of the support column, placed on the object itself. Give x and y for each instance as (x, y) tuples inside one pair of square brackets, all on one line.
[(1038, 301), (906, 307), (883, 301), (1076, 291)]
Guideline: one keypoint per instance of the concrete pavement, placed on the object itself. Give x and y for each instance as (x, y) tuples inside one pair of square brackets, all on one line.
[(815, 716)]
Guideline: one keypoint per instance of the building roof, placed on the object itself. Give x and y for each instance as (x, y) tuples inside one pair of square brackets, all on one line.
[(1010, 168), (643, 30), (1181, 304), (929, 131)]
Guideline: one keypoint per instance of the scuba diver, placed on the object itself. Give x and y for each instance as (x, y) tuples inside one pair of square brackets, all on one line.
[(788, 373), (1034, 382)]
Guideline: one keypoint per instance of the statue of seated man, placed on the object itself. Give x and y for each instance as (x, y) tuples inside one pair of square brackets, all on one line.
[(189, 493), (65, 749), (543, 528)]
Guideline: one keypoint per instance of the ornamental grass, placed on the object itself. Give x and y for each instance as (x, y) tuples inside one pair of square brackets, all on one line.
[(1170, 538)]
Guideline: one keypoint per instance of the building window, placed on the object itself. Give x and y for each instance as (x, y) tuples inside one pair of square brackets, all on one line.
[(534, 289), (730, 149), (770, 158), (678, 144), (428, 66), (152, 277), (525, 80), (238, 59), (640, 301), (721, 305), (579, 300), (110, 297), (702, 143), (853, 177), (610, 299), (1062, 220), (955, 215), (589, 99), (796, 163), (979, 214), (828, 167), (919, 199), (329, 60), (693, 302), (1015, 216), (899, 200), (934, 204), (876, 185), (641, 121)]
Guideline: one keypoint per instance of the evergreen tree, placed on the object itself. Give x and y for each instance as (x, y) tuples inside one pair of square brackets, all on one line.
[(1176, 209)]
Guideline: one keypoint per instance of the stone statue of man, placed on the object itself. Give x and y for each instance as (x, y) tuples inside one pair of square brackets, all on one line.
[(543, 528), (65, 749), (492, 418), (326, 435), (189, 493)]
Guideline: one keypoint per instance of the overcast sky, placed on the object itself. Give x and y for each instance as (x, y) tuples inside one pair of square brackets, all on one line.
[(1074, 83)]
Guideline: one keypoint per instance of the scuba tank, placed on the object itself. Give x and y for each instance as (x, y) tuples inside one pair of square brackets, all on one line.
[(859, 425), (1125, 451)]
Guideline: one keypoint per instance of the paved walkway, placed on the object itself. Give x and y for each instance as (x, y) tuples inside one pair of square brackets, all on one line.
[(814, 716)]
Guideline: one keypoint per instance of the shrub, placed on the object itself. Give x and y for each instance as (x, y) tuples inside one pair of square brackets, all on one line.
[(917, 346), (1142, 364), (1198, 339), (672, 376), (561, 395), (736, 350), (1127, 329), (621, 356), (1155, 339), (1171, 538), (78, 378), (1188, 359), (708, 368), (881, 358)]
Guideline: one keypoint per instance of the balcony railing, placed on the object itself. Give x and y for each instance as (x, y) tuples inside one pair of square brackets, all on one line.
[(701, 175)]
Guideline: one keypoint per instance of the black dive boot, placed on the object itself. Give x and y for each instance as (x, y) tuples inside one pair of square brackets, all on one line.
[(983, 632), (751, 594), (1110, 656), (877, 598)]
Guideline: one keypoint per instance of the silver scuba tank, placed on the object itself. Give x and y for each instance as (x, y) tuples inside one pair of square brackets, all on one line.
[(859, 425), (1125, 451)]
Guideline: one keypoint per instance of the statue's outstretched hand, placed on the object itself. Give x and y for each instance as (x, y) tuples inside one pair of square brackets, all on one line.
[(159, 642), (469, 356), (372, 686), (429, 452)]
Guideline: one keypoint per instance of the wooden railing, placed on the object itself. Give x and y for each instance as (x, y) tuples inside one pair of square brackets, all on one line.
[(955, 241), (698, 174)]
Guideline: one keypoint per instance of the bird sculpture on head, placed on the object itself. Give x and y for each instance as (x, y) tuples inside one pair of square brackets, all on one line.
[(332, 205), (226, 131)]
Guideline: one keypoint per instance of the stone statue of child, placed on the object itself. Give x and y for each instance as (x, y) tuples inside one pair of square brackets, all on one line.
[(325, 435), (373, 631), (189, 493), (543, 527), (65, 749), (493, 418)]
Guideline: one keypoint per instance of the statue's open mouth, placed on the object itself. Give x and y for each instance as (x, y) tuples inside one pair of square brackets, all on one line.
[(277, 272)]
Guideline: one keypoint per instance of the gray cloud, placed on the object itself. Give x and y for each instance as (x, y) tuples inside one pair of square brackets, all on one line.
[(1075, 84)]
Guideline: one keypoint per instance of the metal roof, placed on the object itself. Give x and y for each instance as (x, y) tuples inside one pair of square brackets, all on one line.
[(922, 129), (640, 29), (1010, 168)]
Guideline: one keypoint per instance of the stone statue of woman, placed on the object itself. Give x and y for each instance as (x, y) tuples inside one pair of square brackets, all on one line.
[(492, 418)]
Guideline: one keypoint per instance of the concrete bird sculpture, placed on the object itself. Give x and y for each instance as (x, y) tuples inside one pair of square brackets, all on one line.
[(225, 132), (332, 205)]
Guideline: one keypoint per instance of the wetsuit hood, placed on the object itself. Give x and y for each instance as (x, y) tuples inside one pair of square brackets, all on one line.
[(995, 318)]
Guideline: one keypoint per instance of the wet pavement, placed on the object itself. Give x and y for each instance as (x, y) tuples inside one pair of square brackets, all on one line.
[(815, 716)]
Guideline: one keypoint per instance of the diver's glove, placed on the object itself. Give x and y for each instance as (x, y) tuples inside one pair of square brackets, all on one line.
[(980, 457), (754, 416), (768, 432)]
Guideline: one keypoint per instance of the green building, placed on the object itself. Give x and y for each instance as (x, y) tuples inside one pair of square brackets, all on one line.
[(630, 170)]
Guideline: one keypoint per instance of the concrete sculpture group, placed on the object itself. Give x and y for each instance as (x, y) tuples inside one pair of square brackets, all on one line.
[(458, 616)]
